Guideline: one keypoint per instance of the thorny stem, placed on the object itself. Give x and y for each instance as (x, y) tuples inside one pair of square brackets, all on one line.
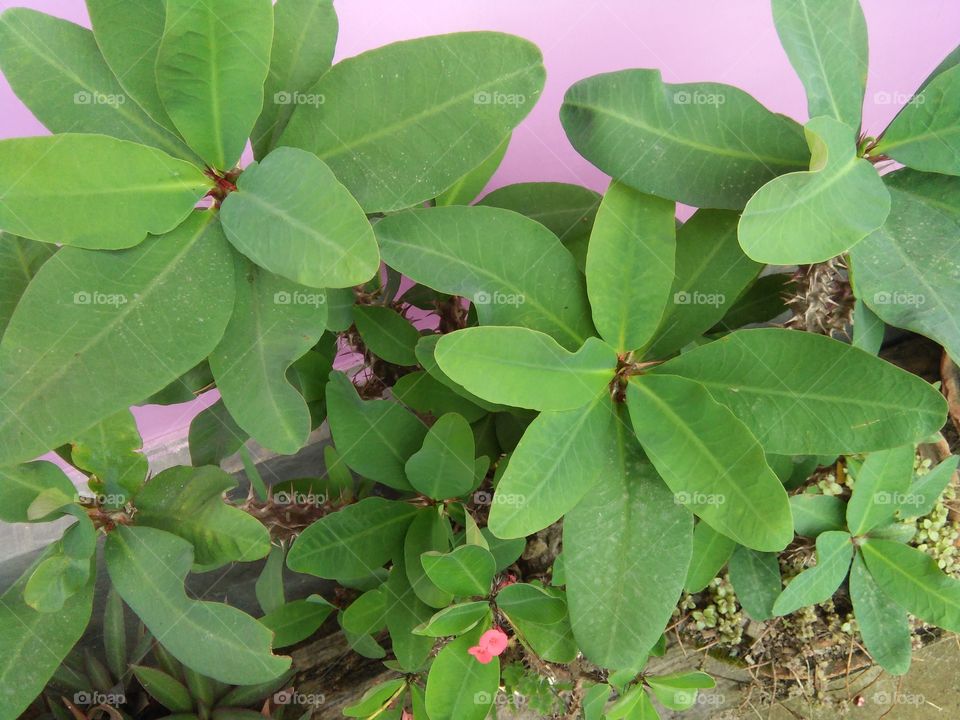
[(225, 183), (626, 369)]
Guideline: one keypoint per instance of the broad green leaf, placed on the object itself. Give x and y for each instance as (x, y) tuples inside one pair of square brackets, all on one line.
[(189, 502), (630, 265), (621, 590), (704, 144), (826, 41), (214, 435), (524, 601), (459, 687), (912, 580), (464, 572), (376, 437), (444, 467), (922, 496), (128, 34), (296, 621), (35, 643), (274, 322), (307, 229), (375, 698), (763, 301), (381, 137), (93, 191), (868, 328), (817, 584), (466, 189), (561, 457), (243, 695), (186, 388), (115, 634), (926, 134), (269, 586), (568, 211), (404, 612), (111, 451), (755, 577), (551, 641), (21, 485), (57, 70), (429, 532), (881, 484), (513, 269), (304, 38), (166, 690), (815, 514), (422, 392), (211, 66), (387, 334), (700, 295), (525, 368), (711, 550), (811, 216), (66, 572), (148, 567), (908, 272), (634, 704), (454, 620), (505, 551), (160, 308), (883, 625), (352, 542), (902, 532), (367, 615), (802, 393), (426, 356), (678, 691), (20, 259), (710, 460), (594, 701)]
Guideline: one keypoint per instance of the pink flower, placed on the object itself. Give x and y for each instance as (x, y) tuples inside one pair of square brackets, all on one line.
[(492, 643)]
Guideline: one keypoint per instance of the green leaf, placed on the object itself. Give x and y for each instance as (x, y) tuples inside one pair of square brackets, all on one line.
[(817, 584), (912, 580), (883, 625), (189, 502), (551, 641), (568, 211), (387, 334), (309, 230), (513, 269), (404, 612), (621, 592), (274, 322), (525, 368), (381, 140), (375, 698), (881, 484), (115, 634), (93, 191), (925, 135), (112, 451), (560, 457), (352, 542), (826, 42), (304, 38), (459, 687), (713, 144), (128, 34), (148, 567), (20, 260), (269, 586), (678, 691), (21, 485), (802, 393), (467, 188), (466, 571), (422, 392), (166, 690), (868, 328), (925, 492), (367, 614), (907, 272), (57, 70), (214, 435), (761, 302), (253, 475), (524, 601), (811, 216), (444, 467), (296, 621), (376, 437), (699, 296), (815, 514), (633, 705), (211, 66), (594, 701), (710, 460), (66, 572), (711, 550), (755, 577), (426, 356), (630, 265), (429, 531), (160, 307), (505, 551), (454, 620), (250, 694)]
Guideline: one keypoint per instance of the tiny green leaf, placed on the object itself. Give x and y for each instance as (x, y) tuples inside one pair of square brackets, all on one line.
[(816, 585), (166, 690), (454, 620)]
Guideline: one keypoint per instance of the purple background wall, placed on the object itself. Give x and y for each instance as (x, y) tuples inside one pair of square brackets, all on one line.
[(732, 42)]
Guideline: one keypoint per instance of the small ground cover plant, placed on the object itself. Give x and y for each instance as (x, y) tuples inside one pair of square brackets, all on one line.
[(547, 364)]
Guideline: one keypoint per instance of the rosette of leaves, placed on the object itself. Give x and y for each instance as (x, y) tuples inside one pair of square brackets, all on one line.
[(805, 194)]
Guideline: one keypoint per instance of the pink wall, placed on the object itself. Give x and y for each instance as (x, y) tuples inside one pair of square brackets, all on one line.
[(689, 40)]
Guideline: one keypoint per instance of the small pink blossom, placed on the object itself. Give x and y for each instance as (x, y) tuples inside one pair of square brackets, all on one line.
[(492, 643)]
